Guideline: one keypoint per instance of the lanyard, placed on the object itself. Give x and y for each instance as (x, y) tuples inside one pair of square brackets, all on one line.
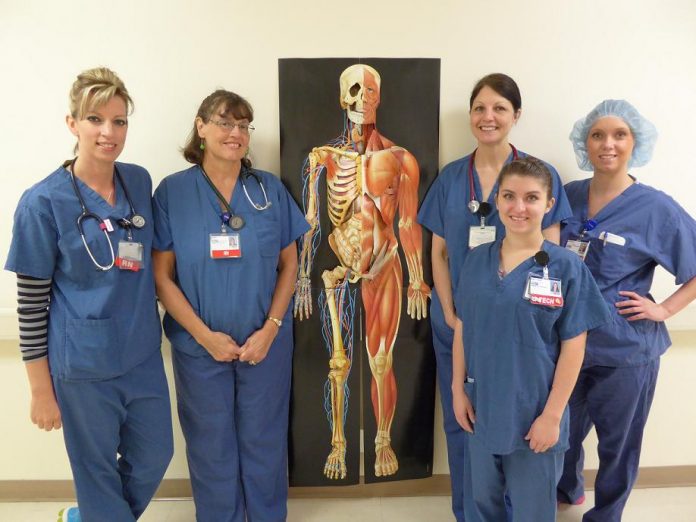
[(228, 217), (587, 225), (474, 204)]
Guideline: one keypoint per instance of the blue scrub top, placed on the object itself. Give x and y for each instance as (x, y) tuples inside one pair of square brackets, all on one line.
[(657, 231), (230, 295), (101, 324), (512, 346), (444, 210)]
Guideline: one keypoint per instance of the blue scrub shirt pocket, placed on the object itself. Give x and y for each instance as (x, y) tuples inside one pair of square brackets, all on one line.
[(611, 260), (74, 260), (536, 325), (92, 349), (268, 237)]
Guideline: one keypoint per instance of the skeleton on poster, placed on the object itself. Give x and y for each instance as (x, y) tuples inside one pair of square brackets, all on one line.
[(369, 180)]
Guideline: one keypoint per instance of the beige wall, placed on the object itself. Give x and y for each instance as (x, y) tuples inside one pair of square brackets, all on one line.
[(27, 453), (566, 56)]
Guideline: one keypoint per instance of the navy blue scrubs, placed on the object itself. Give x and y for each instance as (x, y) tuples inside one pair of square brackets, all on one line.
[(444, 212), (103, 341), (234, 416), (617, 383)]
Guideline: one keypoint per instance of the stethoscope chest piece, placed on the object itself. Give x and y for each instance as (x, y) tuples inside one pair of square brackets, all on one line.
[(137, 221), (236, 222), (473, 206)]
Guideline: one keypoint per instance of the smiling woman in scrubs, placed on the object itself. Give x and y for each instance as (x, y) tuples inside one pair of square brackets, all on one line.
[(225, 266), (623, 230), (93, 357), (524, 306), (459, 210)]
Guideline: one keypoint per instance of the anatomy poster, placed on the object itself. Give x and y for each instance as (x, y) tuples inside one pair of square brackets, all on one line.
[(359, 148)]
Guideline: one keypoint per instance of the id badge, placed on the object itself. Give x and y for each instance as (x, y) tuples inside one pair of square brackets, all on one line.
[(130, 255), (225, 245), (578, 246), (544, 292), (481, 235)]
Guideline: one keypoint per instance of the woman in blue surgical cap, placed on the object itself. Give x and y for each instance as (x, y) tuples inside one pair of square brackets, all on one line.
[(623, 230)]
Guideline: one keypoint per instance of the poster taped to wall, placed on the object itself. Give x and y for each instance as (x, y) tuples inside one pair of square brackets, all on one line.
[(359, 148)]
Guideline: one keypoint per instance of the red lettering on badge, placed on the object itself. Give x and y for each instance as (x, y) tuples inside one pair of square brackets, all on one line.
[(543, 300)]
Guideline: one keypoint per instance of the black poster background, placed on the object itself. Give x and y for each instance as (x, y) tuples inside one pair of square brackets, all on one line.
[(310, 116)]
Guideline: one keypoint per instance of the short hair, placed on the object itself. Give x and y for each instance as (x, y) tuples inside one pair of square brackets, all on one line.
[(503, 85), (529, 167), (225, 103)]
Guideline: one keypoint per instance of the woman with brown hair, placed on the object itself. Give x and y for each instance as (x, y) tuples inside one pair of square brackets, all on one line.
[(225, 267)]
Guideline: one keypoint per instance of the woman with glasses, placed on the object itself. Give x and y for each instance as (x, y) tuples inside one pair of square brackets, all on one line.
[(81, 244), (225, 267)]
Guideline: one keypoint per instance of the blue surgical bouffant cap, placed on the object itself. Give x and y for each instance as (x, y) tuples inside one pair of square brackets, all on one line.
[(644, 132)]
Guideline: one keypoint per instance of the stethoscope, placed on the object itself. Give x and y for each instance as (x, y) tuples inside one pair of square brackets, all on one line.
[(133, 220), (228, 217), (474, 204)]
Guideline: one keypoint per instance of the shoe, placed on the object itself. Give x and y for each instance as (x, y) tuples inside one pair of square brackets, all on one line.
[(71, 514), (564, 505)]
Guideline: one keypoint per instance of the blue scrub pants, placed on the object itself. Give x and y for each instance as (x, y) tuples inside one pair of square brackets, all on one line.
[(457, 452), (130, 416), (529, 479), (617, 402), (235, 421)]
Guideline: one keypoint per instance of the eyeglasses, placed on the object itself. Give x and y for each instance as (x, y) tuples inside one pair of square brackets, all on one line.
[(228, 126)]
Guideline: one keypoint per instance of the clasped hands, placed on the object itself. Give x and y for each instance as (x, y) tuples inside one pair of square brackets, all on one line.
[(223, 348)]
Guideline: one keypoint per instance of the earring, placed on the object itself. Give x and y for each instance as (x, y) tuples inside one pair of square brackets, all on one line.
[(246, 154), (202, 145)]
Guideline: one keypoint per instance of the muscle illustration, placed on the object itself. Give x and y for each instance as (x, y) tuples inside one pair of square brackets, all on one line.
[(368, 180)]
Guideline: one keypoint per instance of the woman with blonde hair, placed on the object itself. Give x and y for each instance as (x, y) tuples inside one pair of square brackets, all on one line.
[(622, 229), (89, 328)]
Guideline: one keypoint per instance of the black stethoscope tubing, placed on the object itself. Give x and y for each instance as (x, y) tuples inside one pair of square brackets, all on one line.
[(233, 220), (133, 219), (474, 204)]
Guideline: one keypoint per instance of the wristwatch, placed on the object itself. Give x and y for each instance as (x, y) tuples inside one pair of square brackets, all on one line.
[(277, 322)]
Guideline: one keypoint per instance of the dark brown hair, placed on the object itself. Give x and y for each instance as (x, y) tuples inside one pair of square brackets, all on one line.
[(503, 85), (223, 103), (529, 167)]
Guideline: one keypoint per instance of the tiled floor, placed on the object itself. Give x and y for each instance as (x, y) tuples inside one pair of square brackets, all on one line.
[(664, 505)]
